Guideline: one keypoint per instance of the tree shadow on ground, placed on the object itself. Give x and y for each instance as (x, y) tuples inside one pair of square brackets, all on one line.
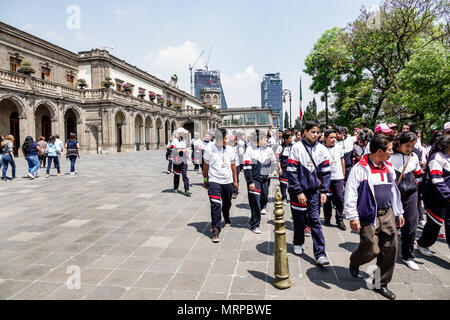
[(349, 246)]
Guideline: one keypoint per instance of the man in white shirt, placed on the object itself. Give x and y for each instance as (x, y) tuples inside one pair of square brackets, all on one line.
[(59, 146), (196, 146), (180, 161), (336, 192), (220, 179)]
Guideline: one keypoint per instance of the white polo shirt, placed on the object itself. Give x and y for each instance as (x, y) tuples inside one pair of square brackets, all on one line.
[(336, 154), (219, 161)]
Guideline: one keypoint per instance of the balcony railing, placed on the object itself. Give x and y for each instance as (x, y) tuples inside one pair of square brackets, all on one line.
[(26, 83)]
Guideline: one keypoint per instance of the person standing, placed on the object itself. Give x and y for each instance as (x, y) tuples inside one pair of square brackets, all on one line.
[(220, 179), (409, 173), (180, 156), (43, 153), (231, 141), (259, 163), (206, 141), (7, 147), (196, 146), (1, 154), (60, 146), (31, 151), (309, 176), (436, 195), (348, 143), (72, 151), (372, 204), (52, 152), (283, 155), (336, 193), (169, 148)]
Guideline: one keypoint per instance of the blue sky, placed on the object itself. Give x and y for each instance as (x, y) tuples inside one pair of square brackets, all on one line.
[(248, 38)]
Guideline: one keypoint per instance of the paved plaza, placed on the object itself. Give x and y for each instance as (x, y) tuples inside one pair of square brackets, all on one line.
[(132, 238)]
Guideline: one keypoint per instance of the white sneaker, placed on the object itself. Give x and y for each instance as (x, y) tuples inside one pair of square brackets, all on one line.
[(298, 250), (72, 173), (425, 251), (263, 211), (411, 264), (323, 260), (421, 224), (31, 176), (256, 230)]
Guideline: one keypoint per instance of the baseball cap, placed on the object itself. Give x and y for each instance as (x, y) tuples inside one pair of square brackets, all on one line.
[(383, 127), (447, 126), (392, 125)]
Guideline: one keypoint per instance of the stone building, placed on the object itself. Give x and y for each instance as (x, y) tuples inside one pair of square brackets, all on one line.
[(138, 112)]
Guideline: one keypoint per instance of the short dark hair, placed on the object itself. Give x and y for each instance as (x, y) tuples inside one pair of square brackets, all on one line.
[(311, 124), (72, 136), (406, 136), (286, 134), (329, 131), (378, 142), (362, 136)]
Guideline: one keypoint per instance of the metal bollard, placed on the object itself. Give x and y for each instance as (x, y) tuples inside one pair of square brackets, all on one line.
[(282, 280)]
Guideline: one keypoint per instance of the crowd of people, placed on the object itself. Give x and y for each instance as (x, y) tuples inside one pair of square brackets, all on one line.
[(378, 180), (38, 155)]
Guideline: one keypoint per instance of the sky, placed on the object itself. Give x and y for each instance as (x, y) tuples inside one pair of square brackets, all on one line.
[(246, 38)]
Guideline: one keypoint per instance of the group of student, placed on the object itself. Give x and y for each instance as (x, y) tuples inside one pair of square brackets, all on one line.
[(376, 180), (38, 154)]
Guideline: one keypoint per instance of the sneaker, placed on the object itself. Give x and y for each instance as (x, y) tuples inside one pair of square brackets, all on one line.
[(46, 175), (354, 271), (307, 232), (411, 264), (298, 250), (227, 222), (215, 235), (341, 225), (72, 173), (322, 261), (385, 292), (263, 211), (327, 223), (421, 224), (425, 251), (441, 236), (234, 195), (256, 230), (31, 176), (175, 190), (59, 174), (188, 194)]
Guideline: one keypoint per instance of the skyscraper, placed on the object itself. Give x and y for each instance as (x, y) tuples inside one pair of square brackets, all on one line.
[(271, 94), (204, 79)]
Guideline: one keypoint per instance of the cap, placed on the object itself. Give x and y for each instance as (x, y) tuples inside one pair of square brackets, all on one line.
[(447, 126), (383, 127), (392, 125)]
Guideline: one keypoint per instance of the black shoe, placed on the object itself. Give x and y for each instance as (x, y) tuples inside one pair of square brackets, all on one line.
[(354, 271), (385, 292), (327, 223), (235, 195), (341, 226), (215, 235)]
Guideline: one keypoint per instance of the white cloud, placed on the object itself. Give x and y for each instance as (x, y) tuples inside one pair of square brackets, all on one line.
[(27, 27), (53, 36), (118, 11), (242, 89), (175, 60)]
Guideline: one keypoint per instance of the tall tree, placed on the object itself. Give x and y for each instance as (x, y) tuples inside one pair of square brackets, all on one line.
[(286, 121)]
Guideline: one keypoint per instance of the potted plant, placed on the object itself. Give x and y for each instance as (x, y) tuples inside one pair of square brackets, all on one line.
[(107, 83), (177, 106), (81, 83), (169, 103), (151, 96), (25, 68), (141, 94), (212, 108), (160, 100), (126, 88)]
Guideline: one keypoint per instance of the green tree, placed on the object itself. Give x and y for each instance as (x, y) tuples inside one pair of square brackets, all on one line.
[(297, 126), (286, 121), (310, 112)]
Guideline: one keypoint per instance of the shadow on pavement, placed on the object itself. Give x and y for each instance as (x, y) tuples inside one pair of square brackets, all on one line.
[(262, 276), (349, 246), (243, 206), (202, 227)]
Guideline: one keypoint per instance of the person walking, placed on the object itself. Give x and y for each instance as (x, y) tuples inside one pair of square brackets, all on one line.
[(220, 179), (336, 192), (72, 151), (42, 153), (206, 140), (259, 163), (180, 158), (436, 195), (52, 152), (7, 149), (60, 145), (409, 173), (283, 156), (197, 146), (231, 141), (372, 204), (31, 151), (169, 148), (1, 154), (309, 174)]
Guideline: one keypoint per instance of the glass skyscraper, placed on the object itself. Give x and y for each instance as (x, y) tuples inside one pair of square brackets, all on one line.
[(204, 79), (271, 94)]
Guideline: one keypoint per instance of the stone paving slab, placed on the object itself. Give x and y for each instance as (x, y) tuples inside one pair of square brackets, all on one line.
[(132, 238)]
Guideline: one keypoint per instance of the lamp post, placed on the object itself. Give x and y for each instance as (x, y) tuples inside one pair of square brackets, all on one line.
[(287, 92), (316, 59)]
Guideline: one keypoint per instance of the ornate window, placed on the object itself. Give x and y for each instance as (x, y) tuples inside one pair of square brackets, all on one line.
[(14, 63), (45, 73), (70, 80)]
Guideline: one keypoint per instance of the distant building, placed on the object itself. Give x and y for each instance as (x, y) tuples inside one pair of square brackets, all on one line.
[(272, 94), (246, 120), (204, 79)]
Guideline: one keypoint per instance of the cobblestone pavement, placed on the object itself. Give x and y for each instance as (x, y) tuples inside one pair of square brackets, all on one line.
[(132, 238)]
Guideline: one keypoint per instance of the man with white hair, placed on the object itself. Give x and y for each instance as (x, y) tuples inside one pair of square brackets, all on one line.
[(180, 158)]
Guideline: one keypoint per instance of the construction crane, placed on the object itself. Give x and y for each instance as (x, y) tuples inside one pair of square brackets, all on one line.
[(190, 69), (207, 60)]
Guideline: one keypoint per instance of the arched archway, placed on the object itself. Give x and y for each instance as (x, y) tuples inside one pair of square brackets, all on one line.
[(148, 127), (70, 122), (167, 131), (189, 126), (173, 127), (119, 122), (138, 125), (43, 122), (159, 126), (11, 121)]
